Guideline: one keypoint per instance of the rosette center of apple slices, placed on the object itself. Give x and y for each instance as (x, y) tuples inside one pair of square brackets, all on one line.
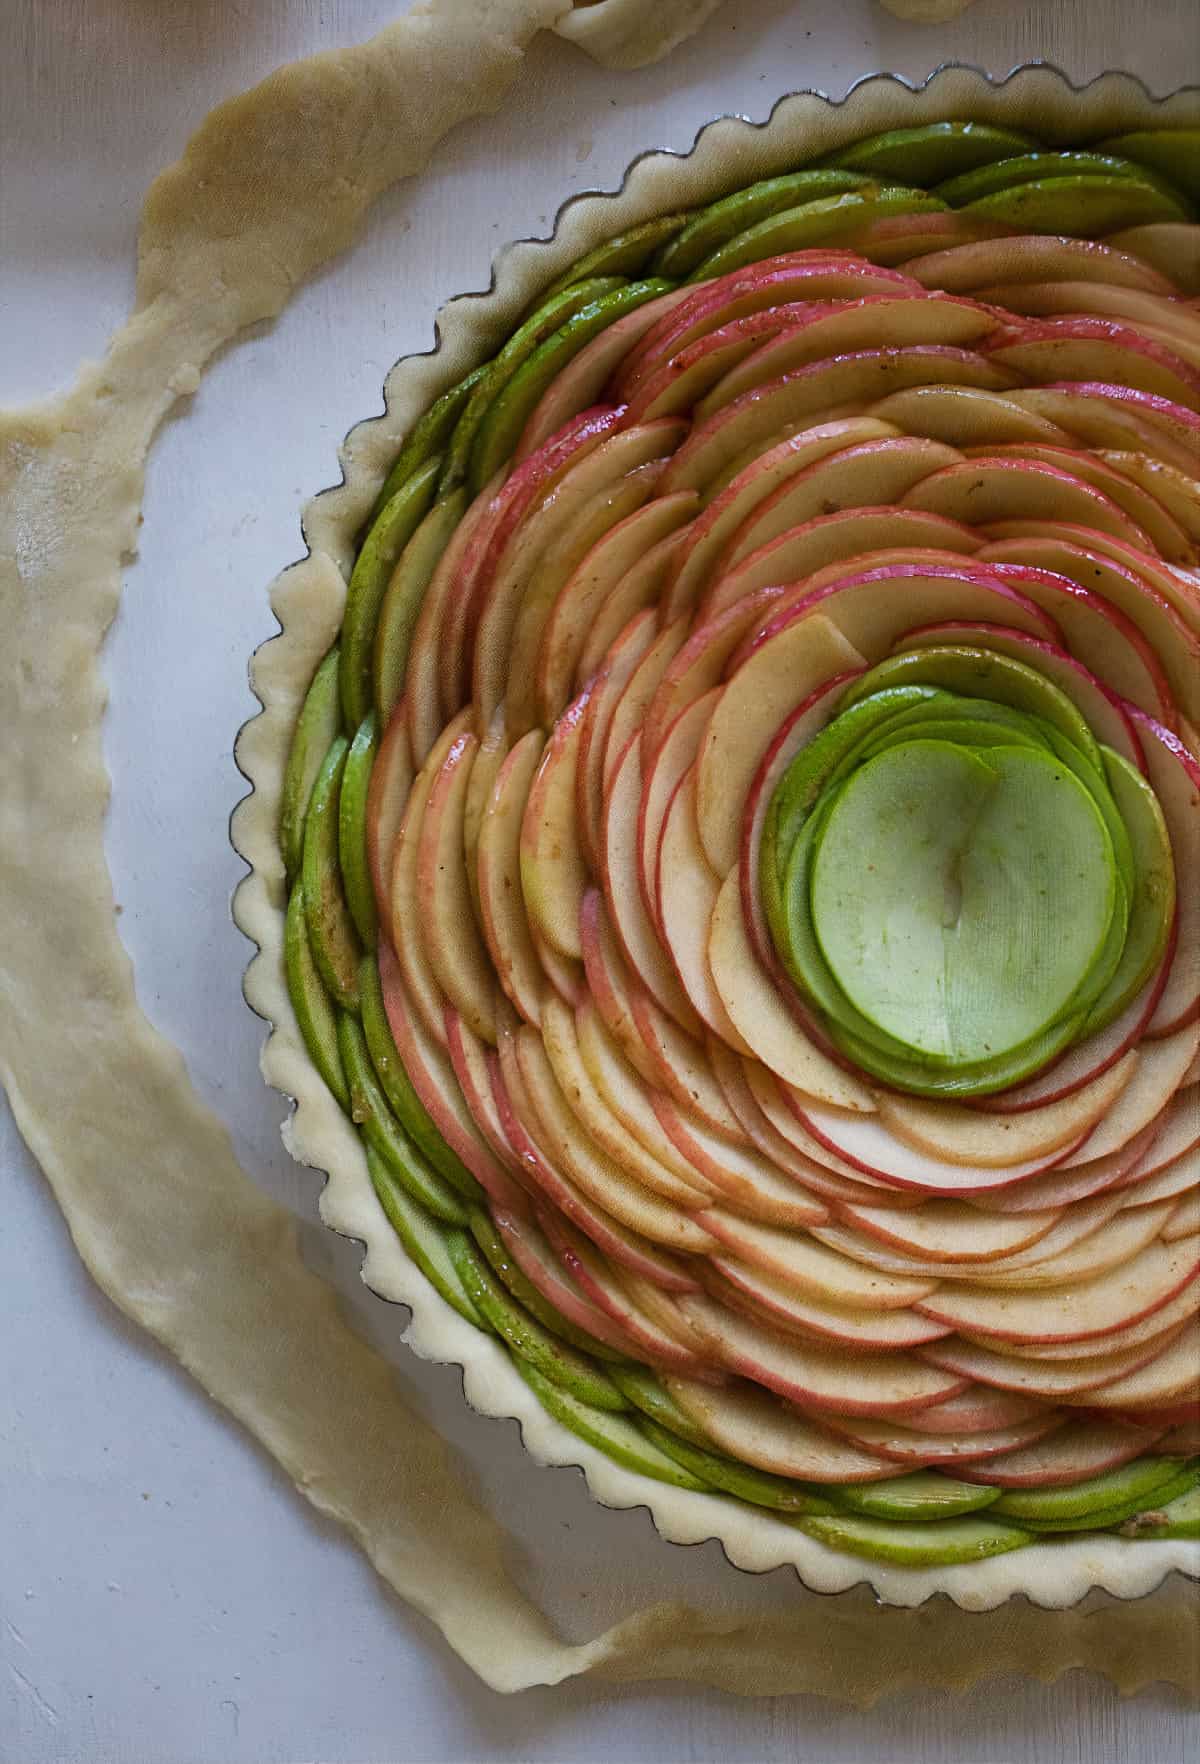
[(756, 891)]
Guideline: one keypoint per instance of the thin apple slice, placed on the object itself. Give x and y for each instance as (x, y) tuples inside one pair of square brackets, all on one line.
[(686, 893), (984, 490), (908, 1445), (700, 663), (1073, 1223), (1063, 1186), (605, 566), (392, 777), (1169, 1183), (423, 708), (469, 1057), (641, 588), (977, 1409), (1052, 1380), (1083, 1311), (1075, 1454), (1155, 1328), (774, 1302), (774, 680), (1160, 1069), (1170, 1378), (1158, 312), (526, 1243), (711, 531), (604, 694), (811, 395), (957, 1135), (675, 757), (815, 1376), (1162, 532), (1170, 246), (1112, 1245), (1044, 350), (867, 1145), (761, 1018), (628, 719), (784, 1108), (1177, 491), (1185, 1215), (609, 985), (810, 1268), (502, 904), (1175, 1133), (739, 1176), (679, 1067), (1097, 414), (1174, 774), (949, 1230), (599, 1283), (966, 416), (625, 1091), (757, 1429), (1034, 257), (554, 872), (457, 953), (608, 1128), (407, 916)]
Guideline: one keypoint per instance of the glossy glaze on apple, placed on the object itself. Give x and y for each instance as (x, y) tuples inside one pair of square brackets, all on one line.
[(831, 440)]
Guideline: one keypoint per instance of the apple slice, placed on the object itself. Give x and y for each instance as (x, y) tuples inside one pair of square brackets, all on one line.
[(868, 1145), (977, 1409), (809, 395), (598, 1283), (628, 719), (815, 1376), (1185, 1215), (775, 678), (392, 777), (1161, 531), (1169, 1183), (1160, 1069), (1170, 1378), (553, 870), (1064, 1186), (1175, 1133), (456, 951), (700, 663), (908, 1445), (770, 1301), (609, 985), (761, 1018), (679, 1067), (1083, 1311), (966, 416), (640, 588), (1112, 1245), (674, 758), (1034, 257), (1098, 414), (1155, 1328), (686, 894), (1075, 1454), (1174, 774), (625, 1091), (1046, 350), (949, 1231), (533, 1255), (757, 1429), (984, 490), (810, 1268), (406, 917), (606, 565), (424, 710), (749, 1184), (502, 904), (1178, 492), (1052, 1380), (784, 1108), (604, 694), (469, 1058), (1170, 246)]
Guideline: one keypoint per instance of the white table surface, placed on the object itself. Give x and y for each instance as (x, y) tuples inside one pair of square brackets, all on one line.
[(165, 1597)]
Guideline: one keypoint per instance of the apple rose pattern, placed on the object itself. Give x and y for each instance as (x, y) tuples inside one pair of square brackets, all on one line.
[(742, 848)]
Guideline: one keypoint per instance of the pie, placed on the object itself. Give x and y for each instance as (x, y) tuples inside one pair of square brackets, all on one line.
[(741, 846)]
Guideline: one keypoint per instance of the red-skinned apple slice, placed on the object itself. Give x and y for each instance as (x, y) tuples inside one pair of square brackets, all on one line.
[(1052, 1380), (784, 1107), (908, 1445), (671, 387), (422, 701), (628, 718), (686, 894), (392, 777), (554, 873), (1174, 1134), (1034, 257), (1160, 1068), (699, 664), (1064, 1186), (723, 434), (1155, 1328), (679, 1067), (1170, 246), (605, 692), (1174, 774), (1083, 1311), (1170, 1183), (1170, 1378), (606, 565), (966, 416), (1177, 491), (763, 1020), (736, 1174), (469, 1057), (456, 951), (868, 1145), (947, 1230), (664, 1312), (625, 1091), (815, 1376), (502, 904), (1047, 350), (757, 1429), (811, 1269), (1000, 487), (526, 1244), (1075, 1454), (1099, 414), (641, 588), (406, 917), (977, 1409), (772, 1302), (676, 755), (600, 1284), (1185, 1216), (772, 681), (1055, 299), (1112, 1245), (609, 985), (1159, 526)]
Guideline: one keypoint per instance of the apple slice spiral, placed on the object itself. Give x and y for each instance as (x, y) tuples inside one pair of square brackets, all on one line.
[(743, 848)]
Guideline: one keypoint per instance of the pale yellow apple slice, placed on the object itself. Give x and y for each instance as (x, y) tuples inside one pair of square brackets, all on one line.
[(1073, 1224), (773, 1302), (599, 1281), (423, 707), (1000, 487), (870, 1146), (1160, 1069), (502, 904), (1175, 1133), (699, 664), (488, 761), (908, 1445), (675, 757), (1174, 773), (953, 1134), (1161, 531), (642, 586), (625, 1091), (1114, 422), (1030, 257), (857, 324), (949, 1230), (662, 1310), (757, 1429), (1170, 246), (554, 873), (605, 689), (609, 984), (629, 716), (608, 563), (1154, 1328), (565, 975), (1082, 1311), (1049, 351), (620, 869), (678, 1065), (763, 1020), (686, 893), (470, 1056), (1178, 492), (812, 1269), (772, 683), (1171, 1377), (811, 395), (737, 1174), (814, 1375), (965, 416), (407, 914), (1052, 1380), (1112, 1245), (1184, 1220), (1071, 1454), (1101, 299), (784, 1108), (586, 1100), (456, 950), (711, 531), (1169, 1183)]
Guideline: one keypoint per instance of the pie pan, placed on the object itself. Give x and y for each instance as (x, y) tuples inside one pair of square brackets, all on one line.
[(309, 600)]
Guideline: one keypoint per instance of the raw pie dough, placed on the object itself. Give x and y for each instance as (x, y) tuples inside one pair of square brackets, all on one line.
[(165, 1219)]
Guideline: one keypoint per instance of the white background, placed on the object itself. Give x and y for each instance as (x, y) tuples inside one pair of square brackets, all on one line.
[(165, 1597)]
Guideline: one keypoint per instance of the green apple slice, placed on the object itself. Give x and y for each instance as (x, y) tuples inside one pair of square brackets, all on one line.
[(1177, 1518), (720, 222), (1182, 1483), (422, 1237), (938, 1543), (506, 416), (352, 830), (1151, 891), (627, 254), (393, 528), (646, 1393), (826, 220), (310, 1001), (962, 904), (331, 930), (385, 1136), (929, 153), (404, 597), (1084, 206), (923, 1496), (318, 724), (756, 1486), (1029, 168), (1172, 152), (429, 435), (1135, 1481), (614, 1435), (528, 1296), (525, 1335)]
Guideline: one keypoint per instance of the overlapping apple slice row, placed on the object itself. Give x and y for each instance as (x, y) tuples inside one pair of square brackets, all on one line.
[(665, 698)]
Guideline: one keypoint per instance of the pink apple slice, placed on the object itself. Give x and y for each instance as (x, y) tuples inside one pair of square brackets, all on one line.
[(810, 1268), (406, 917), (1160, 1068), (1082, 1311), (1155, 1328), (756, 1428), (815, 1376), (1169, 1378), (772, 1302), (598, 1282), (1064, 1186), (392, 777), (456, 950), (1000, 487), (625, 1091), (424, 709), (1174, 1134), (678, 1066), (1177, 491), (675, 756), (1185, 1216), (1077, 1453), (1174, 773), (761, 1018), (868, 1145), (1077, 299), (700, 663), (948, 1230), (641, 588), (501, 902), (811, 394), (469, 1058), (1034, 257), (1047, 350), (1112, 1245), (609, 984), (1052, 1380), (628, 719), (908, 1445), (1162, 532), (604, 694), (553, 869), (527, 1245), (1099, 414), (784, 1108), (686, 894), (977, 1409), (773, 679), (736, 1174)]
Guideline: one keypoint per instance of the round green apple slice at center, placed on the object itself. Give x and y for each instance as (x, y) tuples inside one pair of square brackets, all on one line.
[(962, 903)]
